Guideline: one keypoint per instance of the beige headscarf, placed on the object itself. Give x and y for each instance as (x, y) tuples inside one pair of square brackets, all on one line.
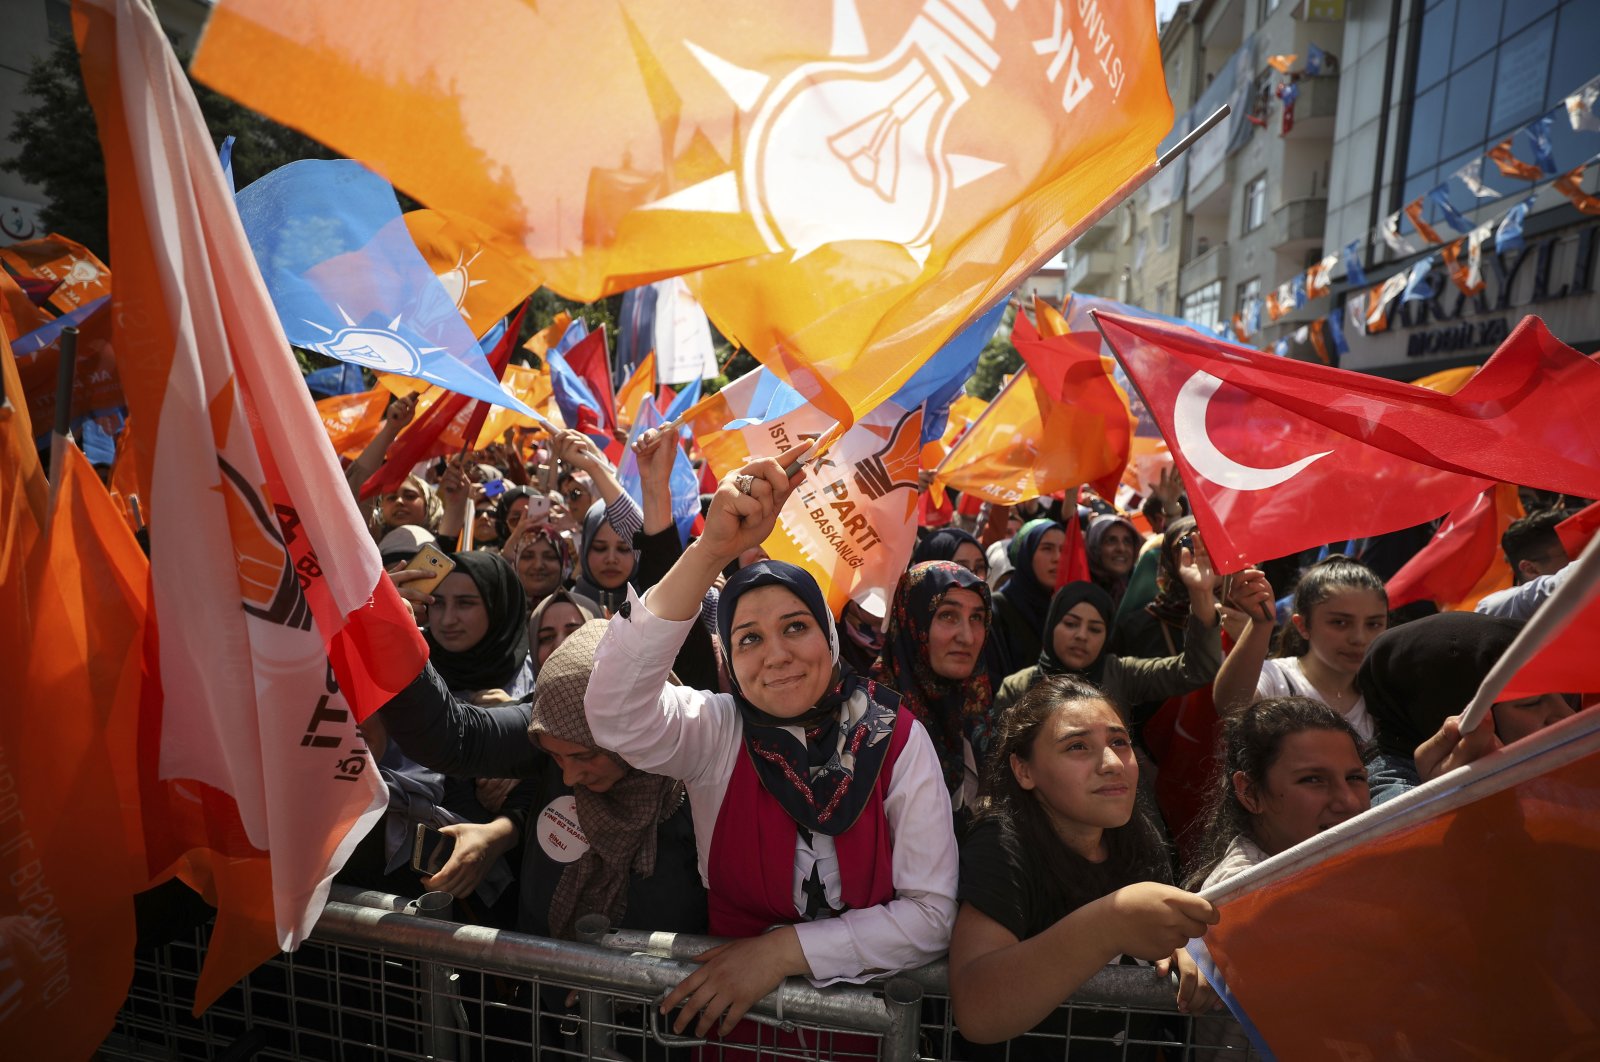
[(619, 823)]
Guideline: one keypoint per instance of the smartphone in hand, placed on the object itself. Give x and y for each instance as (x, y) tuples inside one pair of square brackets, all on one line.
[(431, 850), (433, 560)]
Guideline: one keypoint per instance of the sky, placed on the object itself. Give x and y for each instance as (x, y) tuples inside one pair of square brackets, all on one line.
[(1164, 10)]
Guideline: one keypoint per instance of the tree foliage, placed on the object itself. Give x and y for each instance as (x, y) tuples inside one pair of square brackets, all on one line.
[(58, 147), (999, 359)]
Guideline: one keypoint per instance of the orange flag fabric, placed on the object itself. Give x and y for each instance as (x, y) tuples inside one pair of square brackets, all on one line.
[(1511, 166), (1460, 272), (1462, 564), (96, 385), (72, 622), (1413, 211), (854, 182), (84, 278), (1486, 870), (352, 421), (18, 314), (271, 628), (1447, 381), (485, 272), (1571, 185), (635, 389), (1282, 63)]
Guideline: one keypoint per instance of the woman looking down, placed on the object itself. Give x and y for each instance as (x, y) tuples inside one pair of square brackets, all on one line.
[(819, 805)]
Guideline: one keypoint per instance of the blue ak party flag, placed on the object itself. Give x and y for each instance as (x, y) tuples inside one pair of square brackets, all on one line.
[(348, 281)]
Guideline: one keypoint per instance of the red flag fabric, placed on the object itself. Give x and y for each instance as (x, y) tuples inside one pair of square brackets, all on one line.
[(1282, 455), (272, 629), (589, 360), (1074, 564), (1489, 871), (1463, 562), (499, 360), (1263, 481), (1576, 530)]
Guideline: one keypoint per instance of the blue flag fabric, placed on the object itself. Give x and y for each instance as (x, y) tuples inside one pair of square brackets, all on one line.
[(576, 333), (687, 396), (1418, 287), (1508, 237), (1336, 333), (1441, 198), (1314, 60), (942, 377), (1252, 315), (770, 398), (344, 379), (636, 331), (684, 483), (225, 156), (572, 393), (1297, 290), (48, 332), (1353, 273), (1544, 153), (1281, 348), (347, 280)]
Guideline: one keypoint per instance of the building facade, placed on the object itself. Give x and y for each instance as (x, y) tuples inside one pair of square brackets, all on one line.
[(1407, 93)]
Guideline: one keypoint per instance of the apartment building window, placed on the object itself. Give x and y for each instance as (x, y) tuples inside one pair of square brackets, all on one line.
[(1164, 229), (1163, 298), (1250, 289), (1203, 306), (1484, 69), (1255, 204)]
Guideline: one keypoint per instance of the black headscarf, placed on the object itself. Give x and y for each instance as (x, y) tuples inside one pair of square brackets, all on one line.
[(942, 545), (585, 584), (1025, 593), (1066, 599), (502, 510), (494, 661), (821, 766), (1417, 674), (950, 709)]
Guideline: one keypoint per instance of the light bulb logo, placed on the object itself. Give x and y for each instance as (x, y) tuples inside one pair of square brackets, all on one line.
[(379, 349), (898, 463), (854, 148)]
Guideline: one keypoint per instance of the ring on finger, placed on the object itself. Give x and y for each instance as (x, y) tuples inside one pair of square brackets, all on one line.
[(744, 484)]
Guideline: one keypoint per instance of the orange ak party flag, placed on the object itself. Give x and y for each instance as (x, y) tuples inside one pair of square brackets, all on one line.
[(851, 183), (1463, 563), (272, 629), (635, 389), (18, 314), (352, 421), (84, 278), (486, 273)]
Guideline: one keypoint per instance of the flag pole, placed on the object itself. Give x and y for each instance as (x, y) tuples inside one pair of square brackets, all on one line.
[(61, 436), (1576, 589)]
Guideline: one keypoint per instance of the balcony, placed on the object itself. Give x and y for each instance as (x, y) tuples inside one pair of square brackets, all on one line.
[(1315, 109), (1087, 270), (1297, 225), (1203, 269)]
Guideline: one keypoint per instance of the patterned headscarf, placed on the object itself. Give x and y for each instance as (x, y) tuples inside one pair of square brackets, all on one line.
[(620, 823), (951, 709), (586, 583), (1094, 539), (823, 765)]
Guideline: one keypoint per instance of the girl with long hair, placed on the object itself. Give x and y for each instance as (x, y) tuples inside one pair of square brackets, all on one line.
[(1063, 872), (1340, 606)]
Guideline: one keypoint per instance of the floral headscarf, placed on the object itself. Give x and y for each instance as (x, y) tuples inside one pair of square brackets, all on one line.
[(950, 709)]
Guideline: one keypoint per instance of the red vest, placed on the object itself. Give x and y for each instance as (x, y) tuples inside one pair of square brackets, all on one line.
[(751, 868)]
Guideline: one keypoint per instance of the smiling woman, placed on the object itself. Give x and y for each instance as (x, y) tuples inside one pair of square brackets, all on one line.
[(817, 798)]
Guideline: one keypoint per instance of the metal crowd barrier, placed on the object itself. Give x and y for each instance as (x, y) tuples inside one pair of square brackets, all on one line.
[(387, 978)]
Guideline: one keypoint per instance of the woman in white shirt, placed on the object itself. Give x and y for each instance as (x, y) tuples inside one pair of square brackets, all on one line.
[(818, 803), (1340, 607)]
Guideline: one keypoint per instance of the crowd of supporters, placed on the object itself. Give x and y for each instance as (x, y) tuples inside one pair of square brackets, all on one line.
[(684, 737)]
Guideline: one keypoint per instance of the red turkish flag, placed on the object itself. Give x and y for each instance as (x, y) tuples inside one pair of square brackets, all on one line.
[(1264, 481), (1576, 530), (1281, 455)]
